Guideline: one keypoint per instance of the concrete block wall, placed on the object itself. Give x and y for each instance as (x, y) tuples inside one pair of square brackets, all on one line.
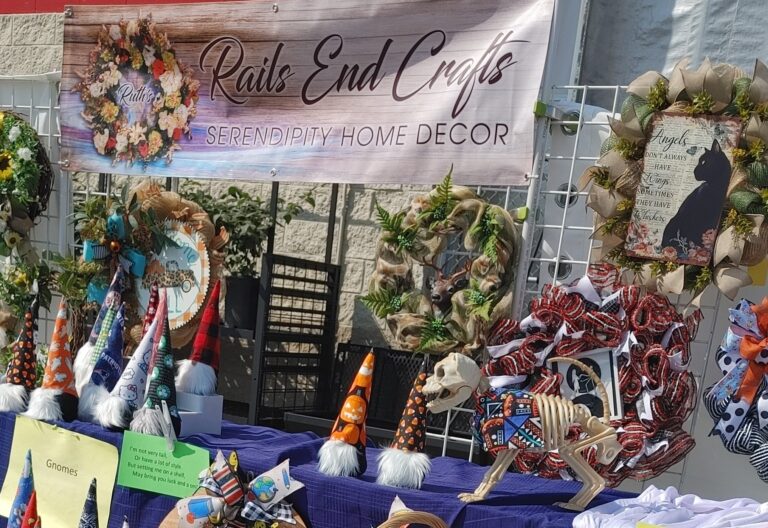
[(31, 44)]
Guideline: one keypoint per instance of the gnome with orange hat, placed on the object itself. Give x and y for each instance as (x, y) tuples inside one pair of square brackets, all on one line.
[(21, 375), (404, 464), (343, 454), (56, 399), (198, 374)]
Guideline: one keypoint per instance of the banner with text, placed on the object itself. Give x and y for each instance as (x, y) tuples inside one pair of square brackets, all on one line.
[(358, 91)]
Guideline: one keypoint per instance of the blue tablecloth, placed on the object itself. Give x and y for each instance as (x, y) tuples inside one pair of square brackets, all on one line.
[(519, 501)]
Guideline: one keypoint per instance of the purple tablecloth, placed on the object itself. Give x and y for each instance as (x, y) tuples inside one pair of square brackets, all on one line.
[(519, 501)]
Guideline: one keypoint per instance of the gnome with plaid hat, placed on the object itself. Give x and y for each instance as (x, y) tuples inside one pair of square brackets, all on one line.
[(404, 464), (198, 374), (21, 373), (56, 399)]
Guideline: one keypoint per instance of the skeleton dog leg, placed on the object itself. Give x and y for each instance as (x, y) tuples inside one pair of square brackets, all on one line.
[(492, 477), (592, 482)]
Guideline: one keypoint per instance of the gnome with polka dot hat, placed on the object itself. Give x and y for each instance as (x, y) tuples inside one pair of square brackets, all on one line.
[(21, 374), (56, 399), (150, 419), (404, 464)]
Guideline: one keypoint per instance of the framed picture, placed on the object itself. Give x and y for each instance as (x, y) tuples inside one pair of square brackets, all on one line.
[(579, 387), (686, 173)]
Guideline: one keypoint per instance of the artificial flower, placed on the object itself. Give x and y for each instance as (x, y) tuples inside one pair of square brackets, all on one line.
[(132, 28), (166, 122), (2, 116), (14, 133), (669, 252), (100, 140), (181, 114), (111, 76), (109, 111), (155, 141), (24, 153), (143, 149), (6, 166), (169, 60), (171, 80), (136, 133), (158, 69), (11, 238), (107, 55), (96, 89), (121, 141), (137, 60), (173, 100), (149, 55), (115, 33)]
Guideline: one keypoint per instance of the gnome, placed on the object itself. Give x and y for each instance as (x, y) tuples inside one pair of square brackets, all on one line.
[(149, 419), (343, 454), (31, 518), (88, 354), (149, 315), (21, 375), (56, 399), (197, 375), (24, 493), (125, 522), (107, 369), (90, 516), (127, 396), (404, 463)]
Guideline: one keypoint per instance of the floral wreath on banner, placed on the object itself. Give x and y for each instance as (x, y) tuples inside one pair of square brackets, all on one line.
[(712, 90), (454, 313), (650, 340), (126, 53), (26, 179)]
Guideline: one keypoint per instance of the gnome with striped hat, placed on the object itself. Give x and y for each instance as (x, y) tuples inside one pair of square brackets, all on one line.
[(89, 353), (404, 464), (343, 454), (56, 399), (150, 418), (21, 374), (108, 367), (198, 374)]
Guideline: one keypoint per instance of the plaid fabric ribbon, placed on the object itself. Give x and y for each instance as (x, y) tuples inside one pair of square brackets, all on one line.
[(280, 512)]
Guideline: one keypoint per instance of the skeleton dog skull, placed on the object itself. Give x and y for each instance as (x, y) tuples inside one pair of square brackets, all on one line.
[(455, 379)]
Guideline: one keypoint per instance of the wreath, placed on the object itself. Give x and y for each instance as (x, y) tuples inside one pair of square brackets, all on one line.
[(26, 179), (454, 311), (650, 340), (139, 99), (712, 90)]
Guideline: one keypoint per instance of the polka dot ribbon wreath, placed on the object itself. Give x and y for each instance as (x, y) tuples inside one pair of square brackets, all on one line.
[(650, 340), (738, 402)]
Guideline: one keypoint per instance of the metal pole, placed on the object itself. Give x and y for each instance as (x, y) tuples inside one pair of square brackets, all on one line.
[(331, 224), (273, 215)]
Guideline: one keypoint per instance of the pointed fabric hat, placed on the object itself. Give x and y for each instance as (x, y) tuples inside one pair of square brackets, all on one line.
[(58, 369), (148, 419), (23, 493), (31, 519), (23, 364), (404, 464), (197, 375), (114, 298), (109, 365), (149, 315), (343, 454), (90, 516), (57, 398), (128, 394)]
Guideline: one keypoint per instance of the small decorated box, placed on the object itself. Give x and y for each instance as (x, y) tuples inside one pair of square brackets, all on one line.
[(200, 414)]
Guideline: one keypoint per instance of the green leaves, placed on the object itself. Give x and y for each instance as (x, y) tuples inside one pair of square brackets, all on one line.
[(20, 283), (71, 276), (385, 302), (434, 332), (402, 239), (488, 231), (480, 304), (441, 203)]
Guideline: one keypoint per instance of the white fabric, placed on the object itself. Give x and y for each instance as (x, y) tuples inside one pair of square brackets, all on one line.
[(669, 509)]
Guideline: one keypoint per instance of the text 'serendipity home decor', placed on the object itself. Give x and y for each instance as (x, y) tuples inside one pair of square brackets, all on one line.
[(303, 90)]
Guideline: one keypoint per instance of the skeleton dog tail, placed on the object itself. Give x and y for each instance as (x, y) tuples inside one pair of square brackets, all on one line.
[(595, 378)]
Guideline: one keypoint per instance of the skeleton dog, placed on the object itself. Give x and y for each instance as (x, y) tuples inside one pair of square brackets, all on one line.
[(524, 420)]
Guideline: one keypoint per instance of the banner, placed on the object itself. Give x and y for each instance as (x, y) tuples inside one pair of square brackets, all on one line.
[(353, 91)]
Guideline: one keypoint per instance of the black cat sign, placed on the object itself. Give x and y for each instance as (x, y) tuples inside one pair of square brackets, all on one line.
[(686, 172)]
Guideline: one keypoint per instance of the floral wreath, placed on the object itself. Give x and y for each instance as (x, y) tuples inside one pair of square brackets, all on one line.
[(454, 313), (128, 51), (26, 179), (712, 90)]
